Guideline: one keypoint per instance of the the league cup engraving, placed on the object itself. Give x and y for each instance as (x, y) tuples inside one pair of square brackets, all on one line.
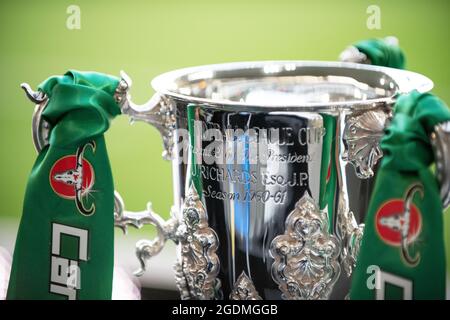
[(251, 159)]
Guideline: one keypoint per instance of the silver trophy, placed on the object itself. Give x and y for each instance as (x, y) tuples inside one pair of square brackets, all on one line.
[(274, 164)]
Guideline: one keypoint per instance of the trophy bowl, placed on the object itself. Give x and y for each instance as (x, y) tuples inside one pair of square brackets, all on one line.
[(273, 168)]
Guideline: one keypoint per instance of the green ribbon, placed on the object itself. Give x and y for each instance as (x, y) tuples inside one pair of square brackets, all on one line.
[(382, 53), (64, 247), (402, 251), (194, 176)]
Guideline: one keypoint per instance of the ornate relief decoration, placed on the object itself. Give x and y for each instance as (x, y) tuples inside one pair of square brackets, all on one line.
[(362, 135), (306, 256), (199, 261), (244, 289)]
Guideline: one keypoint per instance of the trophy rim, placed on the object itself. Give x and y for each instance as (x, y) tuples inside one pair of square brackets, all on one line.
[(405, 82)]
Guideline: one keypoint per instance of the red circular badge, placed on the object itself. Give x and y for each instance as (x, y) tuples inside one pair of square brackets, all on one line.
[(65, 175), (390, 220)]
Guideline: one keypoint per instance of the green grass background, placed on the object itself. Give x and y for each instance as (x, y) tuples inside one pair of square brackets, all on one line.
[(146, 38)]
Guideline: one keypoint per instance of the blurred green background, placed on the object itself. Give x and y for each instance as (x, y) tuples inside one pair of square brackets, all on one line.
[(146, 38)]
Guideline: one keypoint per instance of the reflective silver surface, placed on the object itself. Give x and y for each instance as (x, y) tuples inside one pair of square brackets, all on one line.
[(198, 245), (244, 289), (330, 118), (157, 112), (352, 54), (319, 123), (306, 265), (441, 142)]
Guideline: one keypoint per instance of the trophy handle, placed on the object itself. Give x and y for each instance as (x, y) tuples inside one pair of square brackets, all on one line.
[(157, 112), (39, 127), (440, 138), (352, 54), (145, 249)]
